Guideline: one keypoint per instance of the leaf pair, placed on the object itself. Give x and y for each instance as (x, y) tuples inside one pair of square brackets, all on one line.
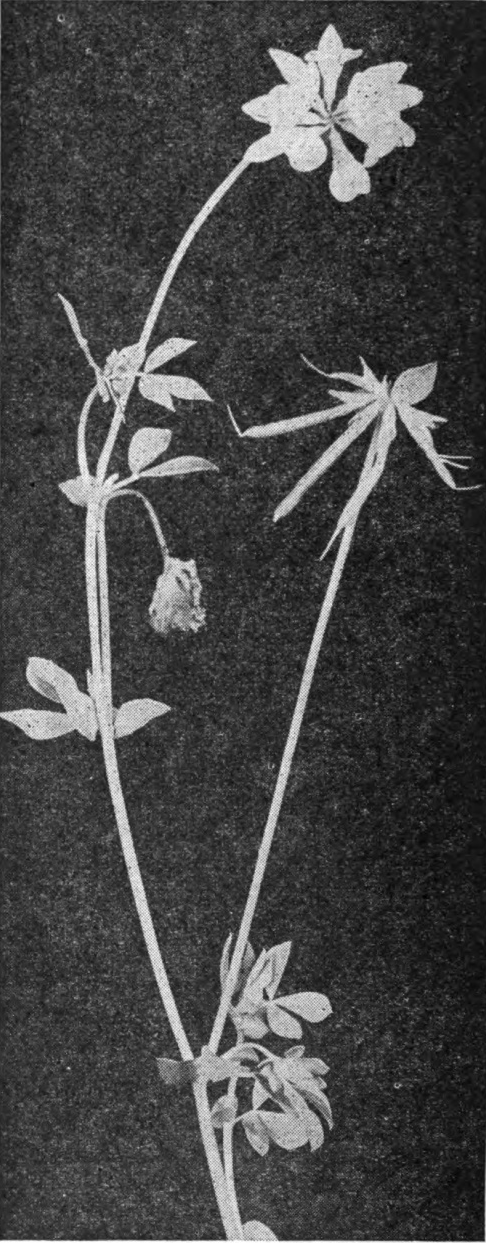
[(162, 388), (148, 444)]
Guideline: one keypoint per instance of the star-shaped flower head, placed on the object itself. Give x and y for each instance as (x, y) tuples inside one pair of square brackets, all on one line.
[(304, 118), (372, 403)]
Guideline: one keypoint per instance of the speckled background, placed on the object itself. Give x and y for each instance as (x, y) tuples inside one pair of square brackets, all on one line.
[(119, 120)]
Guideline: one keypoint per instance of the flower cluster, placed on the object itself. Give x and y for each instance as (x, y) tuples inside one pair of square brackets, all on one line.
[(372, 402), (304, 118)]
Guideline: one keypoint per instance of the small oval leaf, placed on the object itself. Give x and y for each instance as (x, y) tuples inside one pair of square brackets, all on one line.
[(76, 490), (179, 466), (223, 1112), (187, 390), (283, 1024), (135, 714), (146, 445), (40, 725), (311, 1006), (256, 1134), (414, 385), (169, 349), (155, 388), (256, 1230)]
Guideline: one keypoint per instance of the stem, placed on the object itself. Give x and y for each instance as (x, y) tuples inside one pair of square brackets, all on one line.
[(228, 1130), (281, 786), (99, 615), (82, 456), (160, 296), (228, 1209), (151, 512), (183, 246)]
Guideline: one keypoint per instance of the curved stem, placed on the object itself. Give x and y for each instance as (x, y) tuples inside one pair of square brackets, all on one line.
[(280, 787), (183, 246), (151, 512)]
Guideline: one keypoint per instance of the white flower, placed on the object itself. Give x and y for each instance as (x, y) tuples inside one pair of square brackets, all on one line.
[(303, 117), (373, 403)]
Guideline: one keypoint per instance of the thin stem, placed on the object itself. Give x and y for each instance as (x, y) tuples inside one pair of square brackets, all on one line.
[(183, 246), (105, 634), (228, 1209), (280, 787), (82, 455), (228, 1130), (151, 512), (160, 296)]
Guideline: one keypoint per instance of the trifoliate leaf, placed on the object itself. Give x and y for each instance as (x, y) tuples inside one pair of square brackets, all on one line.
[(311, 1006), (146, 445), (223, 1112), (135, 714), (283, 1024), (40, 725), (255, 1230), (77, 490), (414, 385), (187, 390), (169, 349), (155, 388), (179, 466)]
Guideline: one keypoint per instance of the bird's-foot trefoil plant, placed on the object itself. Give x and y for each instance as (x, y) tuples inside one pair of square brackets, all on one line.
[(277, 1098)]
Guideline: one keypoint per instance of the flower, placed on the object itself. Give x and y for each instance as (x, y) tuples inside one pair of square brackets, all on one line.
[(176, 600), (303, 117), (258, 1008), (291, 1084), (373, 403)]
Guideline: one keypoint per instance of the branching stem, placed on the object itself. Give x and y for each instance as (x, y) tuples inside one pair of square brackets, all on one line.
[(280, 787)]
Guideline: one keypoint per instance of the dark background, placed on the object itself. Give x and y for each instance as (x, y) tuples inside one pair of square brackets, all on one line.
[(119, 120)]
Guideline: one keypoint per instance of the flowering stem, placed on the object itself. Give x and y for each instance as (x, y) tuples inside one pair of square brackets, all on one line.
[(228, 1147), (280, 787), (99, 620), (183, 246)]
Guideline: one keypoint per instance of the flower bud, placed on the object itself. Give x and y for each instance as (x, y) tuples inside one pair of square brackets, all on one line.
[(176, 600)]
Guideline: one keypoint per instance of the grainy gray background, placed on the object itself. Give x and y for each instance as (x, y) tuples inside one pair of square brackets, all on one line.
[(119, 120)]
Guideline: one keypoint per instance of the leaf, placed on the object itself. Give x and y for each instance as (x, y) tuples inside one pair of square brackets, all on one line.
[(215, 1069), (188, 390), (163, 353), (136, 713), (223, 1112), (282, 1024), (55, 683), (176, 1074), (259, 1095), (315, 1130), (414, 385), (256, 1133), (77, 490), (297, 1050), (255, 1230), (311, 1006), (278, 958), (40, 725), (155, 388), (179, 466), (285, 1129), (319, 1101), (253, 1026), (145, 445)]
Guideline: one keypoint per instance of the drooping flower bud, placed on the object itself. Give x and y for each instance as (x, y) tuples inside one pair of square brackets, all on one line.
[(176, 601)]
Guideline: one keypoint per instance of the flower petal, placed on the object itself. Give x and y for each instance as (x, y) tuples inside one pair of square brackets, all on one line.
[(385, 139), (415, 384), (40, 725), (305, 150), (331, 55), (372, 471), (375, 98), (295, 71), (327, 459), (348, 177), (305, 420), (423, 438)]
